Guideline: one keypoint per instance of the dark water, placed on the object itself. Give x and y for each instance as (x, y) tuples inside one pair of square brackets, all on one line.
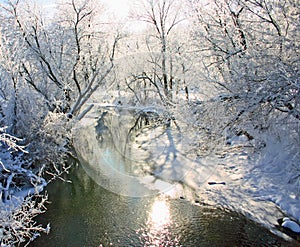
[(116, 151), (84, 214)]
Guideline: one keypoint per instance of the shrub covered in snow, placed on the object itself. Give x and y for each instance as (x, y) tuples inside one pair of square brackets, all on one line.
[(24, 172), (20, 194)]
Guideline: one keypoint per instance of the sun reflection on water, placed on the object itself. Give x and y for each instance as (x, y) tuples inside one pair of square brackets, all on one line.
[(158, 231), (160, 215)]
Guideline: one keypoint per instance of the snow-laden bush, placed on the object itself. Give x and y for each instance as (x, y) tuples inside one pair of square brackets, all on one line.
[(20, 194), (17, 224), (24, 172), (49, 145), (56, 147)]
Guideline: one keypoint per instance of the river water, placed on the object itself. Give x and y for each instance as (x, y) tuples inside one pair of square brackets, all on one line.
[(111, 202), (85, 214)]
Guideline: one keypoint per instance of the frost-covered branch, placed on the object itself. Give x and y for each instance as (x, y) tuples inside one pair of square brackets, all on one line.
[(19, 193), (11, 141), (17, 224)]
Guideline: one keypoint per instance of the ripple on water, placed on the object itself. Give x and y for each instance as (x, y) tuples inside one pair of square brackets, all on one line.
[(85, 214)]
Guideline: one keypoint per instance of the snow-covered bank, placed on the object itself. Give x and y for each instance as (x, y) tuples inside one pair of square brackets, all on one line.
[(277, 175), (262, 184), (259, 182)]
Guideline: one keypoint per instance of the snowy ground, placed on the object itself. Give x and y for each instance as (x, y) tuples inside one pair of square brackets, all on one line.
[(263, 185)]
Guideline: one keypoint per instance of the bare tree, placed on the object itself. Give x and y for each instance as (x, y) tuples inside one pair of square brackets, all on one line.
[(66, 61), (163, 16), (48, 70), (246, 48)]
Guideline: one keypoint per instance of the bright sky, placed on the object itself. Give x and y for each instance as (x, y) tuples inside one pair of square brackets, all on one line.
[(117, 10), (119, 7)]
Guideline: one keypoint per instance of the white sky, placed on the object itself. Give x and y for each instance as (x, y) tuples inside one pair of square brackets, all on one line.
[(120, 8)]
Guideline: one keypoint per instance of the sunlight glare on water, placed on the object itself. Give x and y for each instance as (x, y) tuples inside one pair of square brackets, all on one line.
[(160, 215), (159, 224)]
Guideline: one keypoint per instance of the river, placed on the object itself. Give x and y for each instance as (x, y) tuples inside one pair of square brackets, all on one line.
[(120, 196)]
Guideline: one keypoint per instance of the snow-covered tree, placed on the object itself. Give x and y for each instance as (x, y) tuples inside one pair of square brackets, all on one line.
[(160, 46), (48, 70), (248, 53), (61, 62)]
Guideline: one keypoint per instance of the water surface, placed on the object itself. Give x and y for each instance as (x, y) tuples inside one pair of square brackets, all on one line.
[(85, 214), (120, 193)]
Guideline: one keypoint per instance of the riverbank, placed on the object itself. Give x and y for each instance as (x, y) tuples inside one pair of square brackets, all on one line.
[(261, 183)]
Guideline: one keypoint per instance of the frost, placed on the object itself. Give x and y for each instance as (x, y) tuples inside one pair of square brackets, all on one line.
[(20, 190)]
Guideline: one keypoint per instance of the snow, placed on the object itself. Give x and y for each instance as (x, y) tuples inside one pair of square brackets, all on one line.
[(257, 184), (293, 226), (13, 194), (262, 184)]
